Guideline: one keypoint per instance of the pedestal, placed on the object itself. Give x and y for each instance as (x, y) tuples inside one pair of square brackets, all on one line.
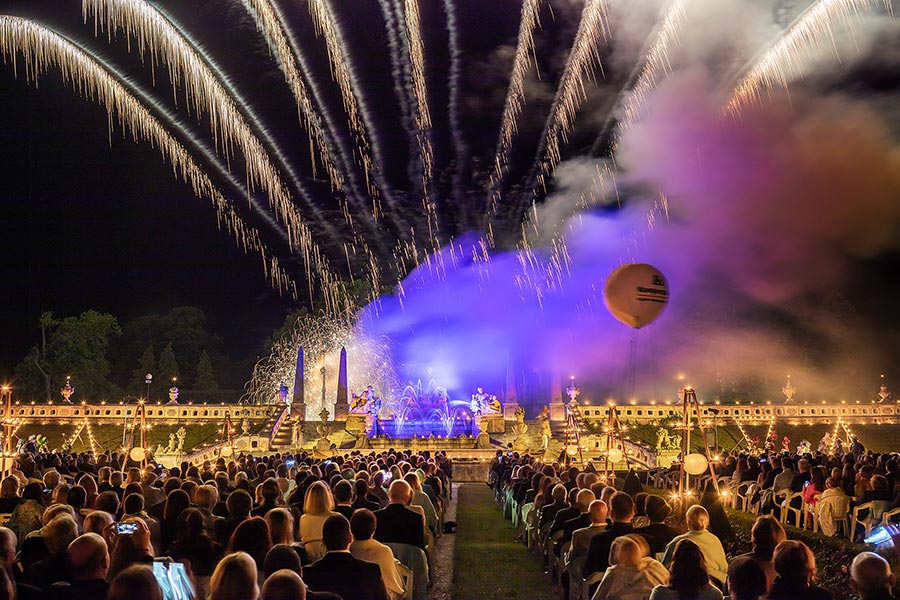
[(557, 411), (341, 410), (493, 424), (298, 411), (357, 423)]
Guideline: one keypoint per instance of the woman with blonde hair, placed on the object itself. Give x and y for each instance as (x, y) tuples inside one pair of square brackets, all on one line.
[(420, 498), (234, 578), (632, 574), (317, 507)]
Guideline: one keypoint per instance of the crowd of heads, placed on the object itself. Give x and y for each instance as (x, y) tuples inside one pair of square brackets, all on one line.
[(84, 526), (639, 546)]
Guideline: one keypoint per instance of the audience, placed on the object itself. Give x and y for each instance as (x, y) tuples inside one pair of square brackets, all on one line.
[(631, 574)]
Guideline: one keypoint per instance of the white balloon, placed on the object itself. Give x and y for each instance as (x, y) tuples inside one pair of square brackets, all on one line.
[(571, 449), (226, 451), (636, 294), (695, 464), (615, 455), (137, 453)]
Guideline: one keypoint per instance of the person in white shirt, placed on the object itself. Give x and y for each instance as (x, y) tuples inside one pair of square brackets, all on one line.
[(364, 547), (697, 521)]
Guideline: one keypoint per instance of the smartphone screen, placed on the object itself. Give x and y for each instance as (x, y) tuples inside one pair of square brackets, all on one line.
[(173, 579), (126, 528)]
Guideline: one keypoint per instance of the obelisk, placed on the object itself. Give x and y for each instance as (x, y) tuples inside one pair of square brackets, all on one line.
[(342, 406), (298, 403)]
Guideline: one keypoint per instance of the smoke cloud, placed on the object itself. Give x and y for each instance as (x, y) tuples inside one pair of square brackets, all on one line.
[(766, 220)]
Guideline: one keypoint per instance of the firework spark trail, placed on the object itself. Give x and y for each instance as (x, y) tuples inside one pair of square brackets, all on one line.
[(43, 49), (270, 23), (783, 62), (204, 91), (322, 339), (345, 77), (423, 117), (460, 150), (400, 74), (655, 66), (571, 93), (515, 98), (204, 88)]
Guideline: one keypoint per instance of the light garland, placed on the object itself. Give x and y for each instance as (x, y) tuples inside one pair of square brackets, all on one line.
[(91, 439)]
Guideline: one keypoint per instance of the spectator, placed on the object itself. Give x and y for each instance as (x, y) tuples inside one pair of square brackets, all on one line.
[(420, 498), (194, 545), (795, 566), (177, 502), (9, 494), (765, 535), (131, 549), (658, 534), (329, 573), (234, 578), (239, 504), (317, 505), (88, 558), (871, 577), (747, 580), (252, 537), (581, 538), (396, 523), (57, 534), (621, 511), (688, 577), (286, 584), (364, 547), (697, 520), (832, 506), (632, 575), (343, 497), (816, 486), (270, 493), (26, 517)]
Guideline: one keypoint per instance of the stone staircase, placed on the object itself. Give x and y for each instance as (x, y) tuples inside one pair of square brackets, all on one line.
[(282, 437)]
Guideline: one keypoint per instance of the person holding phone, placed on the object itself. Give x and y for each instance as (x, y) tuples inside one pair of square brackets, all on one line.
[(132, 546)]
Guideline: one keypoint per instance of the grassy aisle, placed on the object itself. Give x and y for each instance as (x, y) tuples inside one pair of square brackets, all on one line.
[(488, 564)]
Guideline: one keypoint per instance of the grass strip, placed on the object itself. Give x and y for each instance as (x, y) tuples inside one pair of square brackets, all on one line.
[(488, 563)]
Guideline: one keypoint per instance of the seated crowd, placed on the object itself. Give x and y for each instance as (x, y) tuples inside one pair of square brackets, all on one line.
[(276, 527), (610, 540)]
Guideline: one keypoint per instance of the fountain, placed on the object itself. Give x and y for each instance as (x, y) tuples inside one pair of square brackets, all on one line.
[(426, 411)]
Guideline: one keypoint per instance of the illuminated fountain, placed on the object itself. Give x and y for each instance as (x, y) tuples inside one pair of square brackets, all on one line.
[(425, 411)]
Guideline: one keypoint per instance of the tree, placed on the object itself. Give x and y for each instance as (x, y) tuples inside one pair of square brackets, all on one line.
[(73, 346), (168, 366), (147, 364), (205, 380)]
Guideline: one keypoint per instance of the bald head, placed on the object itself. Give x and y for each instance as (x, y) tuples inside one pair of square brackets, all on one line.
[(400, 492), (871, 575), (283, 585), (89, 557), (598, 511)]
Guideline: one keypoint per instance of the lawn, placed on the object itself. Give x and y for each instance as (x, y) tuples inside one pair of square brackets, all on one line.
[(488, 563), (109, 437)]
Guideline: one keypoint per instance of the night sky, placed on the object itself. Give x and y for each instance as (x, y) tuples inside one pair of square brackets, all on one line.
[(89, 224)]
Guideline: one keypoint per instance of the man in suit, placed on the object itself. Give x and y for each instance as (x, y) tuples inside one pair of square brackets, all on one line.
[(548, 511), (398, 524), (343, 496), (581, 538), (621, 512), (583, 503), (339, 571), (569, 512)]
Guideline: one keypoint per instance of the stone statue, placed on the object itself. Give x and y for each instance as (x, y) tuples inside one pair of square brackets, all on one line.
[(181, 434), (665, 441), (544, 422)]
